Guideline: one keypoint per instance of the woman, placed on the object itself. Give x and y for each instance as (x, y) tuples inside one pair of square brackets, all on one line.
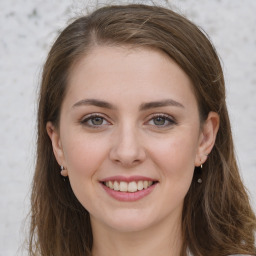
[(135, 153)]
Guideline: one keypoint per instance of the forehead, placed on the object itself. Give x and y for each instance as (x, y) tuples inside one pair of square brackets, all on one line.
[(144, 72)]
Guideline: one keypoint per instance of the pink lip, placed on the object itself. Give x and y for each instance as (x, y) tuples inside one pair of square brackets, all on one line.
[(128, 196)]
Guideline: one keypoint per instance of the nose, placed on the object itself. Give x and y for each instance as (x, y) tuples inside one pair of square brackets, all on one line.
[(127, 148)]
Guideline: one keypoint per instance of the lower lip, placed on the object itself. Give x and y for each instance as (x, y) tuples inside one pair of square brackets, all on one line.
[(129, 196)]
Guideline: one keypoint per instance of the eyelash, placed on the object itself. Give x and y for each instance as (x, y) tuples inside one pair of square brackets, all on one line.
[(87, 121), (171, 121)]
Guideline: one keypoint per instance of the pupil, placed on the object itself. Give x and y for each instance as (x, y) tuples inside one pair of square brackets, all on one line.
[(159, 121), (97, 120)]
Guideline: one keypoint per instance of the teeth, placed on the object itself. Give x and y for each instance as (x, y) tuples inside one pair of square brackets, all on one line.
[(116, 185), (111, 185), (140, 185), (123, 186), (132, 186), (145, 184)]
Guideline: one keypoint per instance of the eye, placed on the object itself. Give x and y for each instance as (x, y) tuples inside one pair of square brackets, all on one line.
[(161, 120), (94, 121)]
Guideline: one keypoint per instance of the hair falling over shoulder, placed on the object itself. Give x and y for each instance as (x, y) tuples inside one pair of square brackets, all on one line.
[(217, 216)]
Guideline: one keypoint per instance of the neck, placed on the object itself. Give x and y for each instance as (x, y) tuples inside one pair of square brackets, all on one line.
[(162, 239)]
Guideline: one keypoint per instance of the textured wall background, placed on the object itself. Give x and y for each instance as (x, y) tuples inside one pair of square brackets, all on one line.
[(27, 30)]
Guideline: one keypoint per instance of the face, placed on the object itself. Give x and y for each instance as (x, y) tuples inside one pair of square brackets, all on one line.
[(129, 137)]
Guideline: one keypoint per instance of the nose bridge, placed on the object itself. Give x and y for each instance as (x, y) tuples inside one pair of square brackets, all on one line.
[(127, 147)]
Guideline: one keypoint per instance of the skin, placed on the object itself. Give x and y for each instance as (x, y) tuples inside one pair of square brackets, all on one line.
[(164, 143)]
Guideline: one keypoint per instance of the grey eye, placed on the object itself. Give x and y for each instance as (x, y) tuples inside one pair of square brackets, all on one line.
[(97, 120), (159, 120), (94, 121)]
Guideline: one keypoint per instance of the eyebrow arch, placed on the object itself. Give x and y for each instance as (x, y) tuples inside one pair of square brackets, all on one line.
[(94, 102), (157, 104)]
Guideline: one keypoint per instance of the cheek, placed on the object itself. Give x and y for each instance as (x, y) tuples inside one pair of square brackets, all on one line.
[(176, 155), (176, 158), (83, 155), (83, 158)]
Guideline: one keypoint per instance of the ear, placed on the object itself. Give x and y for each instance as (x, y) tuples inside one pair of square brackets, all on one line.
[(57, 146), (207, 137)]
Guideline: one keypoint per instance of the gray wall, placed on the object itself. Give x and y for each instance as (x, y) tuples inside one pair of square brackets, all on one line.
[(27, 30)]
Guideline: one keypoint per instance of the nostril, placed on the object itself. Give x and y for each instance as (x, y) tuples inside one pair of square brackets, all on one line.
[(127, 151), (127, 163)]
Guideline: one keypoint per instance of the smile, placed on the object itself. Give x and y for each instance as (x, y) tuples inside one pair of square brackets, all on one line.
[(131, 187), (128, 189)]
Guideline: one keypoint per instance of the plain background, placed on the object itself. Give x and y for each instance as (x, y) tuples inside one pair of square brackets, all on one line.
[(27, 30)]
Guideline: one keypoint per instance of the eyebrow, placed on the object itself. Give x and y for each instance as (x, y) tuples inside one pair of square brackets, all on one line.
[(158, 104), (143, 106), (94, 102)]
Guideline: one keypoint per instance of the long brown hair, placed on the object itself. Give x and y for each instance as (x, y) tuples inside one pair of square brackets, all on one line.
[(217, 216)]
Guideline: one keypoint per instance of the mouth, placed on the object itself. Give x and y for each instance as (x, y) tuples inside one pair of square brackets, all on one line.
[(131, 187)]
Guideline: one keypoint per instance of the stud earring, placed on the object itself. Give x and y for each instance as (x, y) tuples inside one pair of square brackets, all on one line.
[(199, 181), (63, 172)]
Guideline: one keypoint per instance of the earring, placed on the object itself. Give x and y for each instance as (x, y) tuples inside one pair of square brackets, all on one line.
[(63, 172), (200, 179)]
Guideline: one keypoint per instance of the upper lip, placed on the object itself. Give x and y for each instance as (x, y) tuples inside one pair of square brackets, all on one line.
[(127, 179)]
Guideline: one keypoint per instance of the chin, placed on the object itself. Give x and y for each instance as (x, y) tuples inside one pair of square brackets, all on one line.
[(130, 226), (130, 221)]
